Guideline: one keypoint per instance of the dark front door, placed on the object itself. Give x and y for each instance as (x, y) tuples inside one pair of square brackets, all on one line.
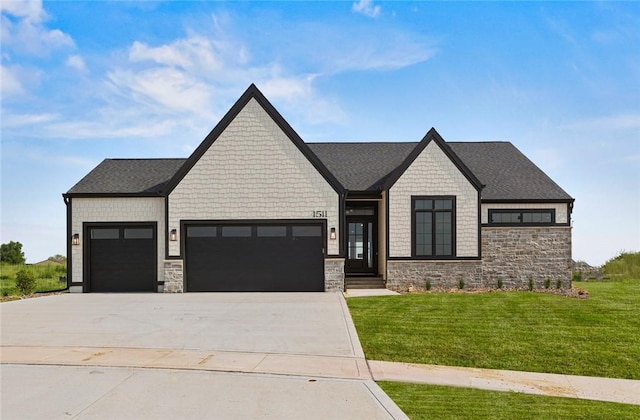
[(361, 246)]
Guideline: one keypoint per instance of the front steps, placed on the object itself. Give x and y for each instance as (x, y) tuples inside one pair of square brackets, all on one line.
[(364, 283)]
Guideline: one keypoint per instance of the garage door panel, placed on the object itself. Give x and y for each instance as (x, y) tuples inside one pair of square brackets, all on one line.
[(122, 260), (271, 259)]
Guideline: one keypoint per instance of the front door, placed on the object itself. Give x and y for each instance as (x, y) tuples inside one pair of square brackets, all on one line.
[(361, 246)]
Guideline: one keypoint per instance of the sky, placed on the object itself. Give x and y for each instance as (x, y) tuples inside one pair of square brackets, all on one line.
[(87, 80)]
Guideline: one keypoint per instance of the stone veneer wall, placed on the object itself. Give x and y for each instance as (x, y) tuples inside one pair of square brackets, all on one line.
[(333, 275), (512, 254), (403, 274), (517, 254), (173, 276)]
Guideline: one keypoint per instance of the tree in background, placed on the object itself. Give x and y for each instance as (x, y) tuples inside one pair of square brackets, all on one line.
[(58, 258), (12, 253)]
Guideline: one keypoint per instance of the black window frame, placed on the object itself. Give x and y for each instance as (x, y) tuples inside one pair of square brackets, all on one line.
[(433, 212), (491, 212)]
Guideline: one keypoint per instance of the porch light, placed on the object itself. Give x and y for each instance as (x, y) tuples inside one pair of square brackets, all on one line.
[(173, 236), (332, 234), (75, 239)]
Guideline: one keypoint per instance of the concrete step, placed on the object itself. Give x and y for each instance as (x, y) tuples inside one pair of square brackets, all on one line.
[(364, 283)]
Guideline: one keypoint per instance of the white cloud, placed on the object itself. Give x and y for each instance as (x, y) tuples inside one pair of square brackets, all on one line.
[(171, 89), (10, 85), (24, 30), (16, 80), (366, 7), (76, 62), (25, 120), (624, 121)]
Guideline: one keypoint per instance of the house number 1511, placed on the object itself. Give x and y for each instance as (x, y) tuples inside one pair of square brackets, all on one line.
[(320, 213)]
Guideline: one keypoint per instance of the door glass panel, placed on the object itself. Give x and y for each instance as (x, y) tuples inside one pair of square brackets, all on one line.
[(356, 241), (370, 245), (236, 231), (201, 231), (272, 231), (306, 231), (138, 233), (101, 233), (360, 211)]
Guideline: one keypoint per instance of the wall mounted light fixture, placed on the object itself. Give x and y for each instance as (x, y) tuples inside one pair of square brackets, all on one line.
[(332, 234), (173, 236), (75, 239)]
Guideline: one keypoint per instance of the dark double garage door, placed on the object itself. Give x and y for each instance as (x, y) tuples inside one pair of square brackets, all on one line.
[(219, 257), (254, 257)]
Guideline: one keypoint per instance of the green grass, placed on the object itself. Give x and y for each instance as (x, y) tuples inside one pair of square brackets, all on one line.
[(624, 266), (537, 332), (47, 277), (441, 402)]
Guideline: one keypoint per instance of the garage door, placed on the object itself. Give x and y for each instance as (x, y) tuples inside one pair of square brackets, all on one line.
[(255, 257), (122, 258)]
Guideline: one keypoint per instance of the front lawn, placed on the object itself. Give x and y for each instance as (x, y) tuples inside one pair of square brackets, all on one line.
[(528, 331), (442, 402)]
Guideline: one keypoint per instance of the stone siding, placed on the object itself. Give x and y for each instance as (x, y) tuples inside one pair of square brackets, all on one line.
[(402, 275), (253, 171), (334, 274), (433, 173), (517, 254), (114, 209), (173, 276)]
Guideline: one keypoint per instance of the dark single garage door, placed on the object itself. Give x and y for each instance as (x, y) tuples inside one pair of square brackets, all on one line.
[(122, 258), (255, 257)]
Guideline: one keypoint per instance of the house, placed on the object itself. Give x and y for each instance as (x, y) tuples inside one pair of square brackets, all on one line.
[(255, 208)]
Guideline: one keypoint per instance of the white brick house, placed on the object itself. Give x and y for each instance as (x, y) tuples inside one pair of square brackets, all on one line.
[(255, 208)]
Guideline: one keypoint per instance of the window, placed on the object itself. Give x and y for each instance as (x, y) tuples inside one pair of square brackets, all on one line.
[(299, 231), (138, 233), (514, 217), (433, 226), (272, 231), (105, 233)]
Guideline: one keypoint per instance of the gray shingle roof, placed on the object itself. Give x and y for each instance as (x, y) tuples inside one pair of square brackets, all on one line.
[(506, 172), (128, 176), (361, 166)]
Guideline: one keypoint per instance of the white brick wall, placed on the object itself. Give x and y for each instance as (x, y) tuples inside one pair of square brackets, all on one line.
[(122, 209), (433, 173), (561, 209), (252, 171)]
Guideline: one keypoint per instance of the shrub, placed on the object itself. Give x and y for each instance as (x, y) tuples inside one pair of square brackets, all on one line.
[(460, 284), (547, 283), (531, 283), (577, 276), (427, 285), (25, 282), (559, 284), (499, 283)]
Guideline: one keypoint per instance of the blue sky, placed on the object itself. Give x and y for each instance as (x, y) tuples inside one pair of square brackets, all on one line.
[(83, 81)]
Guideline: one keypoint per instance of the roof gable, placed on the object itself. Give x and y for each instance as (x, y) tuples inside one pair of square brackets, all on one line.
[(432, 135), (252, 93)]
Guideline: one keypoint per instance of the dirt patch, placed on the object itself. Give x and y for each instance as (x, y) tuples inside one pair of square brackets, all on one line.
[(574, 292), (31, 296)]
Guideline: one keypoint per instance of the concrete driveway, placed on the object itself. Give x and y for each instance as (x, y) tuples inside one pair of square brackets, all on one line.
[(205, 355)]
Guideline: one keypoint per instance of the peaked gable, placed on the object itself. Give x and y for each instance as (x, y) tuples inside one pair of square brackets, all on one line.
[(432, 135), (253, 92)]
